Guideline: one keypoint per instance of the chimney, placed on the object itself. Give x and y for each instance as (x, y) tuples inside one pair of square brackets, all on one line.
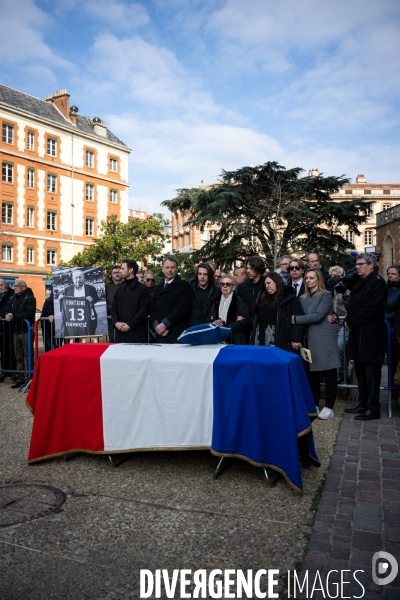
[(99, 127), (361, 179), (73, 111), (61, 100)]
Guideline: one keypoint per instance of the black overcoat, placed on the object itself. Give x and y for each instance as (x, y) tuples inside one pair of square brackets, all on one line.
[(204, 305), (171, 306), (365, 317), (286, 332), (237, 308), (131, 306), (5, 326), (23, 307)]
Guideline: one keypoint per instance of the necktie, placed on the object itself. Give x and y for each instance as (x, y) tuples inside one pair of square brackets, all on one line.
[(165, 285), (295, 285)]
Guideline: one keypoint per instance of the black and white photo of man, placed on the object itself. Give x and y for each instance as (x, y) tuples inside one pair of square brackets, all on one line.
[(79, 301)]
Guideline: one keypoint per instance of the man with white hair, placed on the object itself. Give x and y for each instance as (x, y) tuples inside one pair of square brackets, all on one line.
[(20, 308)]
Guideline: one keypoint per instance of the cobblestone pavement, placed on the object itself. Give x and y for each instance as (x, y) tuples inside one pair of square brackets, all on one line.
[(359, 512)]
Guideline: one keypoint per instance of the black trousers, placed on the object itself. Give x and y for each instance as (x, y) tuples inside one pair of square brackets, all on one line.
[(369, 380), (314, 378)]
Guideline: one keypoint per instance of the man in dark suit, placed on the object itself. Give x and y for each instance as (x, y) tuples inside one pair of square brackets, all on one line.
[(366, 323), (131, 306), (170, 304), (296, 270), (80, 289)]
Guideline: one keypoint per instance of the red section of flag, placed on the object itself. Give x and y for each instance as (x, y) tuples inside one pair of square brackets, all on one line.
[(65, 398)]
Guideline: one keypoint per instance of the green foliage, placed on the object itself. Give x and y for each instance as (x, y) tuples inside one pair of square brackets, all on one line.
[(137, 239), (270, 210)]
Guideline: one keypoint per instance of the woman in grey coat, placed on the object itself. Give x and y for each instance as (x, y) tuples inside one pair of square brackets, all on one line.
[(322, 340)]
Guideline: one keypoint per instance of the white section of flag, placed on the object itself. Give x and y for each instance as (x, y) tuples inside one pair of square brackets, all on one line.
[(157, 396)]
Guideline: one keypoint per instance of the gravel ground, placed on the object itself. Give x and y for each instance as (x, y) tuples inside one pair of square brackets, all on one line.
[(160, 510)]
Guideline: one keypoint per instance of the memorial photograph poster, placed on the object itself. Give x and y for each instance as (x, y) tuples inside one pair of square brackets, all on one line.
[(79, 302)]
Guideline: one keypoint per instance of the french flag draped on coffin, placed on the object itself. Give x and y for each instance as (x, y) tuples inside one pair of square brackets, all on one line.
[(245, 401)]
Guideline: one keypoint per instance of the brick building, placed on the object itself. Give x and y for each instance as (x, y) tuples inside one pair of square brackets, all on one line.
[(62, 173), (190, 238)]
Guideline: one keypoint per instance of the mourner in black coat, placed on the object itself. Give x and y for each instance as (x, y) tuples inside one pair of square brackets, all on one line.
[(6, 341), (285, 331), (367, 339), (131, 308), (205, 296), (170, 305)]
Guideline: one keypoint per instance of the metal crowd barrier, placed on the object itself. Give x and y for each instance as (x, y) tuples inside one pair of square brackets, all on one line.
[(389, 387), (49, 340), (7, 350)]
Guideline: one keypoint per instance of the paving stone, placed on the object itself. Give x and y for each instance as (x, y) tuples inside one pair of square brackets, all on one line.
[(392, 534), (371, 465), (369, 496), (364, 539), (367, 508), (390, 495), (367, 522), (391, 518), (364, 475), (390, 473), (361, 557)]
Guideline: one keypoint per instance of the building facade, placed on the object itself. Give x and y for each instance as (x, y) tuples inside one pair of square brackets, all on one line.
[(187, 238), (388, 237), (383, 195), (62, 174)]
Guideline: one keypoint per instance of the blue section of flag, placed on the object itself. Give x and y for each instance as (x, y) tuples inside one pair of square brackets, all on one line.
[(262, 402)]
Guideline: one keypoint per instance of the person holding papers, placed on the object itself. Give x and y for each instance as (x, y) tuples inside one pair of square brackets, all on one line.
[(321, 340)]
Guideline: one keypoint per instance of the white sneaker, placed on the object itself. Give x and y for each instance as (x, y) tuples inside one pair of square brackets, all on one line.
[(326, 413)]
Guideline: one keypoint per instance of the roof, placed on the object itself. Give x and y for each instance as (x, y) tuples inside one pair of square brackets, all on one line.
[(47, 110)]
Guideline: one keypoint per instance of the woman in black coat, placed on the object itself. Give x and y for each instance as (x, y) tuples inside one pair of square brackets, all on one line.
[(273, 319), (232, 311)]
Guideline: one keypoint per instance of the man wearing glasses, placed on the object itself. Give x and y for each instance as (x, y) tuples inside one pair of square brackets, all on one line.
[(296, 270), (365, 322), (150, 281), (21, 306), (284, 263)]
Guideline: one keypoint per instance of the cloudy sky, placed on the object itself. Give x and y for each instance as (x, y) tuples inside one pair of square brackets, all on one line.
[(196, 86)]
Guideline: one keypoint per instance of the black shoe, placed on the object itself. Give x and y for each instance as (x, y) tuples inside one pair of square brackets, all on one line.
[(17, 385), (2, 377), (356, 410), (368, 415)]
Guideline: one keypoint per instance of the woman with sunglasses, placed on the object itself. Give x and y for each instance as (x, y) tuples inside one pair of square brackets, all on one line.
[(232, 311), (276, 306)]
